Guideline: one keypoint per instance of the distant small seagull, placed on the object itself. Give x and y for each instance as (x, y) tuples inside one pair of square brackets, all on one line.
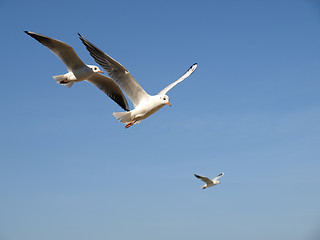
[(144, 104), (209, 182), (79, 71)]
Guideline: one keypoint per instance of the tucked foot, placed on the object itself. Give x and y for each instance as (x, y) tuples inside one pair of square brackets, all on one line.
[(64, 81), (130, 123)]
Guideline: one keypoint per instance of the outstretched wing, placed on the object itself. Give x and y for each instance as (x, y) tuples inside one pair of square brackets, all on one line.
[(184, 76), (117, 72), (204, 179), (219, 176), (62, 50), (109, 87)]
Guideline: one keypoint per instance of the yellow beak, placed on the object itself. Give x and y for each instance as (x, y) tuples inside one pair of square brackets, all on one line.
[(169, 104)]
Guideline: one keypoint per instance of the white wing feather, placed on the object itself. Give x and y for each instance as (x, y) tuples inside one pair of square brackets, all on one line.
[(62, 50), (204, 179), (117, 72), (184, 76), (219, 176)]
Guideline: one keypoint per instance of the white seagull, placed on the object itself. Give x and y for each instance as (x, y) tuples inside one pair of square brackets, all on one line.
[(79, 71), (144, 104), (209, 182)]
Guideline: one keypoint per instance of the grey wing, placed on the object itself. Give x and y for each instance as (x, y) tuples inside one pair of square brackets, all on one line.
[(204, 179), (219, 176), (62, 50), (117, 72), (184, 76), (109, 87)]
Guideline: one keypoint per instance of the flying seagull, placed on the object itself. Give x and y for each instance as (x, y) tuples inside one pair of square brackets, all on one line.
[(79, 71), (209, 182), (144, 104)]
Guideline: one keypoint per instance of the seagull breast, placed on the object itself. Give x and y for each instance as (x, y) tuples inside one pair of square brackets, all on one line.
[(147, 107)]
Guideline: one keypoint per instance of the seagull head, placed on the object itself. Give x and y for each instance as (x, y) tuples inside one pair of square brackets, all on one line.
[(165, 99), (95, 69)]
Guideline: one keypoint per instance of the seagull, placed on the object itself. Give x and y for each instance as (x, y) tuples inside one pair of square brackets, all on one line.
[(144, 104), (79, 71), (209, 182)]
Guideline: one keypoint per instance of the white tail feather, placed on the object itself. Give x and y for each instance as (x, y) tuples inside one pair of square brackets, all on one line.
[(60, 78), (124, 117)]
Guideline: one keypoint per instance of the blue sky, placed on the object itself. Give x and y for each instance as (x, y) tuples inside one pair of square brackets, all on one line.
[(70, 170)]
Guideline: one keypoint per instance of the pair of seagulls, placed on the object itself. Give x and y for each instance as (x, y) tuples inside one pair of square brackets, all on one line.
[(121, 80)]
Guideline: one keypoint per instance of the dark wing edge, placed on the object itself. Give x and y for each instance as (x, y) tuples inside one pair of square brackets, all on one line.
[(220, 175), (41, 39), (111, 89), (197, 176), (204, 179), (117, 72), (62, 50), (102, 59)]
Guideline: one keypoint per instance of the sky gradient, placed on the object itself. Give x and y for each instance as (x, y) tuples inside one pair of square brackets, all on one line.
[(70, 170)]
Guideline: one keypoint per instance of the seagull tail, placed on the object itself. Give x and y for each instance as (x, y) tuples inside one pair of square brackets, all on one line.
[(124, 117), (62, 80)]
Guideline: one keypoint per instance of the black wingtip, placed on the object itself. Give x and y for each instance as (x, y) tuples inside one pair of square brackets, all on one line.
[(194, 66), (27, 32), (80, 35)]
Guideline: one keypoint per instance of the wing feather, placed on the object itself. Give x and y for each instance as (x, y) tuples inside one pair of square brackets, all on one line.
[(109, 87), (117, 72), (184, 76), (219, 176), (62, 50), (204, 179)]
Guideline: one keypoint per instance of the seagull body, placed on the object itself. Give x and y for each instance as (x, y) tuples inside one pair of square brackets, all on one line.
[(209, 182), (79, 71), (144, 104), (146, 108)]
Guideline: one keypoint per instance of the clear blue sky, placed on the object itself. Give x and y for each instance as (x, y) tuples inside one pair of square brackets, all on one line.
[(70, 170)]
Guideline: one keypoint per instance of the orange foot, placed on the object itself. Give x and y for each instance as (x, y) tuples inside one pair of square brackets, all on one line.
[(130, 124), (64, 81)]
